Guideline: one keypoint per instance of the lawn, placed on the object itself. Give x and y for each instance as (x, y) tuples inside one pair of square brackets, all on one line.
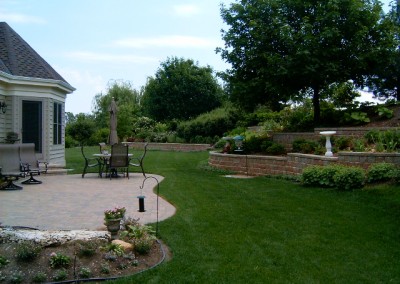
[(265, 230)]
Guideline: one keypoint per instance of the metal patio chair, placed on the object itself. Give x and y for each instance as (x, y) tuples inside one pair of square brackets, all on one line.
[(138, 162), (10, 166), (118, 161), (30, 164), (91, 163)]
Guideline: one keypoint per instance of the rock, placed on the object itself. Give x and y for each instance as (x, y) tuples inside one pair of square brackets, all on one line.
[(49, 238), (126, 246)]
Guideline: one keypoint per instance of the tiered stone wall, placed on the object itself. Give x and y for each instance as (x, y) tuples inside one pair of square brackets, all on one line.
[(294, 163), (170, 146), (286, 138), (364, 160)]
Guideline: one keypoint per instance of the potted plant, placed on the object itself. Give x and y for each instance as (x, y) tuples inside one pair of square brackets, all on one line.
[(112, 219)]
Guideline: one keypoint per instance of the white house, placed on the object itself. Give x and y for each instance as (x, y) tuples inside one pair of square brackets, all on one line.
[(32, 98)]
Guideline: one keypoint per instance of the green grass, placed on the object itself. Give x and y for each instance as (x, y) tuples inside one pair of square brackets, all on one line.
[(265, 230)]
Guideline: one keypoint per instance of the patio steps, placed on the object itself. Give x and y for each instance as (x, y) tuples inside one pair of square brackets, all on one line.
[(54, 169)]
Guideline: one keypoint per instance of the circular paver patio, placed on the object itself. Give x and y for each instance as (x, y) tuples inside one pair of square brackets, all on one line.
[(70, 202)]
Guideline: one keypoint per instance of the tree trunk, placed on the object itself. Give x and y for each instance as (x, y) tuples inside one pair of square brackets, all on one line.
[(317, 108)]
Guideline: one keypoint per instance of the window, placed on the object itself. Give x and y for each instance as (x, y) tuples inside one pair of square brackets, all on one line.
[(57, 124)]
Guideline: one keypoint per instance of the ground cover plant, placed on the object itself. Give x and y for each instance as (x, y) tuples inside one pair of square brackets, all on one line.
[(268, 230)]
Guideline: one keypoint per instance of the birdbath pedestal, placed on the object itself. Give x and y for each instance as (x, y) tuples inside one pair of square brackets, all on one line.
[(328, 144)]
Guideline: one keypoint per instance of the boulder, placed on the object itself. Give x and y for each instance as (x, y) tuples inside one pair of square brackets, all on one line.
[(126, 246)]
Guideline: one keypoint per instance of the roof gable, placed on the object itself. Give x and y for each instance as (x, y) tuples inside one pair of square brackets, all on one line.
[(18, 58)]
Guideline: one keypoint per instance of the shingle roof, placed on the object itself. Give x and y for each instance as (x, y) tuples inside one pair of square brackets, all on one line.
[(19, 59)]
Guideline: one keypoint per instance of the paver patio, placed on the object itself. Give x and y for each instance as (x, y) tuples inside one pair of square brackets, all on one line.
[(69, 202)]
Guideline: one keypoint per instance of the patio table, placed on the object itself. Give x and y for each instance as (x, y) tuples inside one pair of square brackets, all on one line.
[(106, 157)]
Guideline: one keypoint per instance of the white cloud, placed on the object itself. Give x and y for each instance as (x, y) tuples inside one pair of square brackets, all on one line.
[(176, 41), (20, 18), (108, 57), (186, 10)]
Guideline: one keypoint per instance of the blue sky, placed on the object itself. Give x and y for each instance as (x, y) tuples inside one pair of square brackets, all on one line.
[(90, 42)]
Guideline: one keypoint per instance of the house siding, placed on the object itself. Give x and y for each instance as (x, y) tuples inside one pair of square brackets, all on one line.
[(12, 119)]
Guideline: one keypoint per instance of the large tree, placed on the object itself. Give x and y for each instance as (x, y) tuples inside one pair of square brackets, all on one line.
[(180, 89), (385, 82), (281, 48)]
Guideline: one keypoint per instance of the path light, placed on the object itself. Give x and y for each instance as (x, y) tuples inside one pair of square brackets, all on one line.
[(158, 191), (328, 144)]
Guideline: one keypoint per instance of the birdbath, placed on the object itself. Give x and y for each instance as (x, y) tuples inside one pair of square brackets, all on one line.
[(328, 144)]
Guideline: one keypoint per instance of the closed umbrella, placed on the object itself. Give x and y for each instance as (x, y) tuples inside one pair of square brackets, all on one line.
[(113, 138)]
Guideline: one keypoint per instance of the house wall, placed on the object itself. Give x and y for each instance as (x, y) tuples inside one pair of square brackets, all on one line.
[(14, 95)]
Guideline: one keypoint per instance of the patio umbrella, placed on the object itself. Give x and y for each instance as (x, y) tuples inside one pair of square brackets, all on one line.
[(113, 138)]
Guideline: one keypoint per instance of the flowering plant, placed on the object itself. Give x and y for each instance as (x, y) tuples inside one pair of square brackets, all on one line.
[(116, 213)]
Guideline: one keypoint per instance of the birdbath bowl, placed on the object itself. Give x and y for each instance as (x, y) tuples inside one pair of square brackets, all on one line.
[(328, 144)]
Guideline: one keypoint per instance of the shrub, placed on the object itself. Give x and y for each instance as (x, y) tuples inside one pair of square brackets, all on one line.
[(100, 135), (141, 236), (355, 118), (143, 245), (86, 249), (105, 268), (116, 249), (3, 261), (348, 178), (58, 260), (253, 144), (16, 277), (319, 176), (381, 172), (27, 251), (304, 146), (2, 277), (384, 112), (84, 272), (70, 142), (214, 123), (276, 149), (60, 275), (298, 119), (338, 176), (342, 142), (40, 277)]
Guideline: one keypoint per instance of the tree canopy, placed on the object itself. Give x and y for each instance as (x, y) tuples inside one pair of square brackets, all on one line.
[(279, 49), (181, 89), (385, 83)]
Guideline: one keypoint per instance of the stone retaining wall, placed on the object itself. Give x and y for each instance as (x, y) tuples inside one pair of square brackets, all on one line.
[(293, 163), (170, 146)]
